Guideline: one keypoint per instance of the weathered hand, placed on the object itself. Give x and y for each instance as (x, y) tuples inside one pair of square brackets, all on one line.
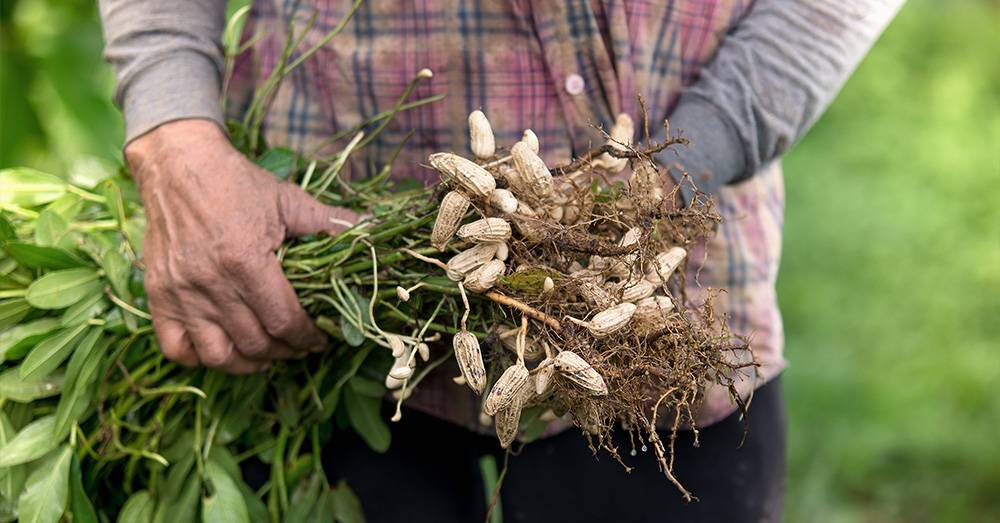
[(216, 290)]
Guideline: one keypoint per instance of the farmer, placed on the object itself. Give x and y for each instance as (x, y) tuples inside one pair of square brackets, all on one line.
[(742, 80)]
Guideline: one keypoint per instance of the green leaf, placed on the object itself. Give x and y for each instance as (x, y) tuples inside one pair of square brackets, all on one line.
[(15, 388), (34, 441), (114, 323), (332, 398), (138, 508), (185, 507), (279, 161), (180, 493), (38, 257), (28, 187), (137, 284), (255, 506), (9, 283), (408, 184), (47, 489), (67, 206), (50, 227), (7, 264), (179, 474), (303, 501), (75, 388), (8, 510), (20, 414), (51, 352), (346, 506), (177, 442), (134, 230), (365, 414), (12, 311), (7, 231), (117, 270), (323, 510), (256, 509), (79, 504), (19, 339), (85, 309), (62, 288), (113, 200), (222, 457), (289, 412), (351, 331), (352, 335), (81, 367), (226, 502), (368, 387), (89, 171), (11, 478), (235, 421), (88, 371)]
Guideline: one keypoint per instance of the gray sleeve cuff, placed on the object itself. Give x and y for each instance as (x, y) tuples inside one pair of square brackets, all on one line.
[(179, 86), (771, 78), (715, 155)]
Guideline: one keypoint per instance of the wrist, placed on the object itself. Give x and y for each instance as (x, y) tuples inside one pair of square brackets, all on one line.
[(715, 156), (176, 137)]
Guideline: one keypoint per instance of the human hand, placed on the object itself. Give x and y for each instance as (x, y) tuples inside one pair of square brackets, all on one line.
[(216, 290)]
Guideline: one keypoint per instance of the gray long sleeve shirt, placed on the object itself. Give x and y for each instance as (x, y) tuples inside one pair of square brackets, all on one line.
[(770, 80), (167, 57)]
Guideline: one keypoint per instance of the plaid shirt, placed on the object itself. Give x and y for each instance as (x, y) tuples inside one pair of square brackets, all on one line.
[(555, 67)]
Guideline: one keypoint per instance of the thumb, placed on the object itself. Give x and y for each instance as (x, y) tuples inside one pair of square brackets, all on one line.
[(302, 214)]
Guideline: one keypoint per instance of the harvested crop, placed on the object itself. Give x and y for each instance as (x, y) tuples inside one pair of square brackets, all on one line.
[(583, 270)]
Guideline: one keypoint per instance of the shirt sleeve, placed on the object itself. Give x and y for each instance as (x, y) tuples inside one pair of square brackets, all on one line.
[(771, 79), (167, 57)]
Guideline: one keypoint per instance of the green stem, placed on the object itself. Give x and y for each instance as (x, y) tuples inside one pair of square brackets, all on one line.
[(172, 389), (197, 438), (100, 225), (325, 40), (390, 258), (400, 315), (86, 195), (277, 499)]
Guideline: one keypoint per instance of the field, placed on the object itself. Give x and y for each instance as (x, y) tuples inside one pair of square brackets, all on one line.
[(890, 280)]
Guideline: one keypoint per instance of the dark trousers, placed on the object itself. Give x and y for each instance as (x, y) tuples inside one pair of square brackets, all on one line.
[(431, 473)]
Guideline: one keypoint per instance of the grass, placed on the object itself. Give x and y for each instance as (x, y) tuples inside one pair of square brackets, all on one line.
[(890, 281)]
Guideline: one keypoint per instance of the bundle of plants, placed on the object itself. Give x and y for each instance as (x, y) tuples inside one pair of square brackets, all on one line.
[(558, 292)]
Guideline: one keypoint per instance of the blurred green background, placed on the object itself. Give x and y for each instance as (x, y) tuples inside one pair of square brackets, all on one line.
[(890, 282)]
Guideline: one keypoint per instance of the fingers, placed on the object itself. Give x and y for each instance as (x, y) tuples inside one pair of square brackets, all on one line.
[(267, 292), (174, 342), (252, 341), (303, 215), (211, 324), (217, 351)]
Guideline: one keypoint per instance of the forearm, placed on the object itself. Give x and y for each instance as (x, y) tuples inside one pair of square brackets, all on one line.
[(167, 58), (771, 79)]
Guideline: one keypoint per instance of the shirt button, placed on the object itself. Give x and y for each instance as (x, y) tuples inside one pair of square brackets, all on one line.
[(574, 84)]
